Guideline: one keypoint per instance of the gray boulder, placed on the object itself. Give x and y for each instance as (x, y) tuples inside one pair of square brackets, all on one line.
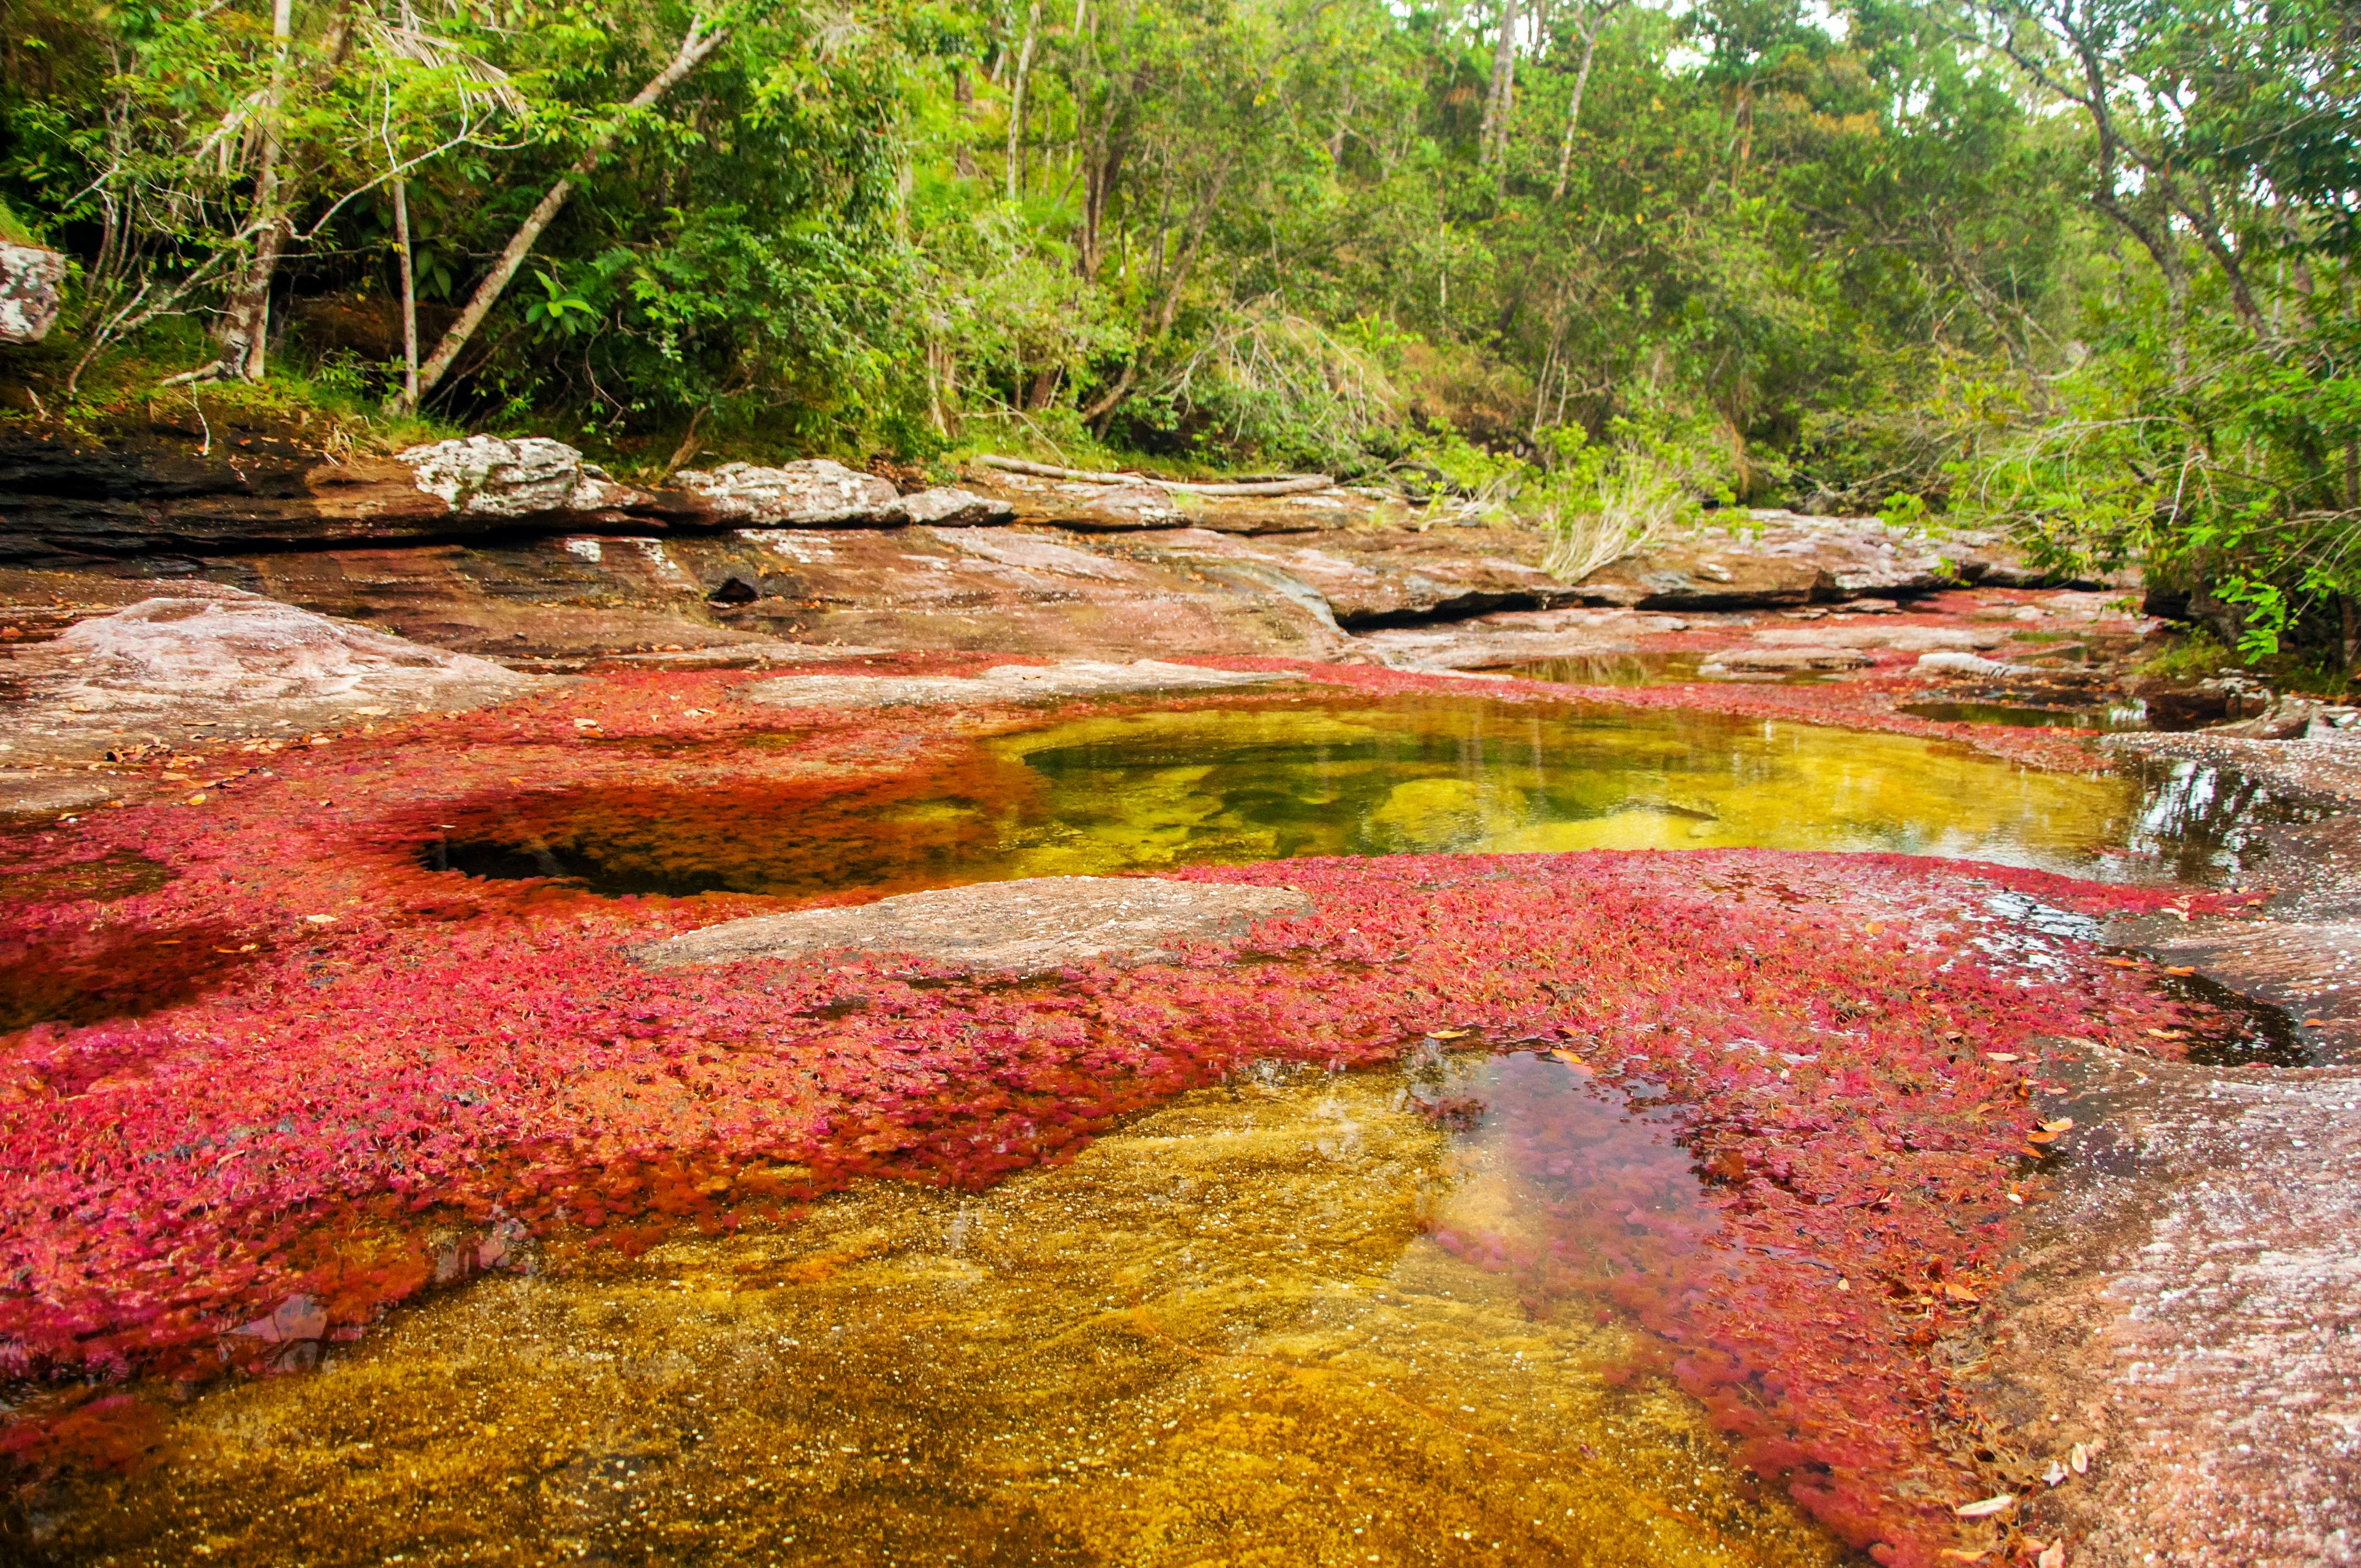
[(30, 282)]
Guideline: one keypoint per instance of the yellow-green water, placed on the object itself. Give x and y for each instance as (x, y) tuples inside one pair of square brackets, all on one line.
[(1316, 775), (1219, 1337), (1259, 783)]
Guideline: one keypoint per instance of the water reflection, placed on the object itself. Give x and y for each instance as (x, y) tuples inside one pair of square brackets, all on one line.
[(2117, 716), (2202, 823)]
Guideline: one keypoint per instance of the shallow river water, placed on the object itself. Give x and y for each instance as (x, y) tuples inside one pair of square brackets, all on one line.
[(1235, 1333), (1272, 780)]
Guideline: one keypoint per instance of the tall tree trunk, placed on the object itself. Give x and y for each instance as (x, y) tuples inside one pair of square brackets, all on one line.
[(1591, 30), (694, 48), (1493, 137), (963, 95), (409, 292), (244, 330), (1016, 102)]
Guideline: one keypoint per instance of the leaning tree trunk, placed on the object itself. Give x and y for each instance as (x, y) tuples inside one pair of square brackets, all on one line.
[(1581, 84), (1017, 102), (409, 292), (694, 48)]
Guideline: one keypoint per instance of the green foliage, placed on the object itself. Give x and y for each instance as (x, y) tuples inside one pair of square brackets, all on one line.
[(2075, 267)]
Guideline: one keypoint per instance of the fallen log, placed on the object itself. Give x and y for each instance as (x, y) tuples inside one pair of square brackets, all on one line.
[(1289, 485)]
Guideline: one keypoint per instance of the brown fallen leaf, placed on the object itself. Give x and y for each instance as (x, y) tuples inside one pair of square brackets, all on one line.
[(1984, 1508), (2000, 1055), (2120, 963), (2315, 1022), (1961, 1293), (2041, 1135), (2062, 1124), (2182, 969), (1956, 1555), (1446, 1033)]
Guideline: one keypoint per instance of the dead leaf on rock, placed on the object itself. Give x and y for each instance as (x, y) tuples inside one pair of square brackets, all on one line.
[(1984, 1508), (2078, 1459)]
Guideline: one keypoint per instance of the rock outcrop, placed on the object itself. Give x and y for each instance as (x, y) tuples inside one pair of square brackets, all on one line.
[(185, 487), (210, 657), (820, 493), (1029, 927), (31, 280)]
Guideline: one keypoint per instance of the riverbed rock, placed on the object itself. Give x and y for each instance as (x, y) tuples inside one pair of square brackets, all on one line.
[(1004, 683), (1954, 662), (32, 283), (2188, 1310), (206, 656), (1384, 577), (1793, 660), (1516, 637), (955, 509), (818, 492), (1767, 558), (1028, 927)]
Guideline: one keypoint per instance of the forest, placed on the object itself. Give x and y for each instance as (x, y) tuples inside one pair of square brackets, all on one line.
[(2078, 269)]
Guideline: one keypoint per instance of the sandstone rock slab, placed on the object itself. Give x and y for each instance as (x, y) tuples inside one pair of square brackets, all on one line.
[(1790, 660), (210, 656), (1029, 927), (1004, 683), (952, 508), (1383, 577), (1769, 558), (2188, 1306)]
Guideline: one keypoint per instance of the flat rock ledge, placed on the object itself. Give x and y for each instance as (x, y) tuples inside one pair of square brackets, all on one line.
[(204, 656), (1029, 927), (1004, 683)]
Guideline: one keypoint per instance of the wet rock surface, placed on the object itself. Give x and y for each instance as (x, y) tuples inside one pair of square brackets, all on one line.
[(2190, 1314), (1004, 682), (1029, 927)]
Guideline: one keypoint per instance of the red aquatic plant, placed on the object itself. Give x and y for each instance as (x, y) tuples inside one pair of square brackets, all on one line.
[(407, 1078)]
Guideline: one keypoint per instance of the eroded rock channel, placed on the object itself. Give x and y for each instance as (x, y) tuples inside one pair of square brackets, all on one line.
[(1145, 1032)]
